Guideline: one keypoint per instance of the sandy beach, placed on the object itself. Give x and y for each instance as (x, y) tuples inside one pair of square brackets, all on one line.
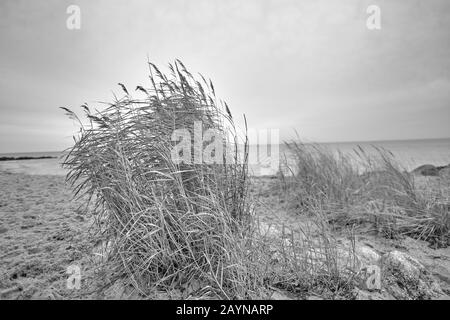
[(43, 232), (225, 150)]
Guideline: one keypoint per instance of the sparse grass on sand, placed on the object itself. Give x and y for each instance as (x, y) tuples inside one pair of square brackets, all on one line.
[(364, 188)]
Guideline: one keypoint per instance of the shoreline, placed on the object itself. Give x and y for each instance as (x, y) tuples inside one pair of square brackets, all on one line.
[(422, 170)]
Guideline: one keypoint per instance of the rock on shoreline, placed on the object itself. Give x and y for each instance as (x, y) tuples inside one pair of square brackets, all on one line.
[(431, 170)]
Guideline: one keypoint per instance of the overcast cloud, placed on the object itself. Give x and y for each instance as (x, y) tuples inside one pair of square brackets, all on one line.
[(311, 66)]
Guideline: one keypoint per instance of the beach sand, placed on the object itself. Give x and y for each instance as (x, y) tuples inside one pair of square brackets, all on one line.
[(43, 232)]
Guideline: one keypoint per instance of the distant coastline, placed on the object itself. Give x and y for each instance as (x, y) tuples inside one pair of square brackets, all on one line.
[(25, 158)]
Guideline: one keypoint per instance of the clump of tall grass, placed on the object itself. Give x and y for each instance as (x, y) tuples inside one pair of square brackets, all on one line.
[(363, 188), (398, 204), (320, 176), (168, 223)]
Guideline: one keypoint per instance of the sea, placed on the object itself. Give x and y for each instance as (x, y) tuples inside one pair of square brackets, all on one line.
[(410, 154)]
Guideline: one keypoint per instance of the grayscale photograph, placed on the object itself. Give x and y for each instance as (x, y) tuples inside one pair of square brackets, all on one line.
[(225, 150)]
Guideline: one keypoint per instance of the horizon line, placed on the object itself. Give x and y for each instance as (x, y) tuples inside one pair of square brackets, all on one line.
[(305, 141)]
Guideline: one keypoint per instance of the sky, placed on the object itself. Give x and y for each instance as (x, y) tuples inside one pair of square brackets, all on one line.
[(310, 66)]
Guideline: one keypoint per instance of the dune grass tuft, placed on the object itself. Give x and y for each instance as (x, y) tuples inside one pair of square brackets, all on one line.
[(363, 188), (169, 224)]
